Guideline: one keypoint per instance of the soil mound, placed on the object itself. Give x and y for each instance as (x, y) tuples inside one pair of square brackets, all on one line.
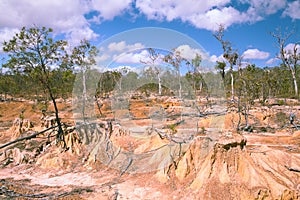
[(230, 171)]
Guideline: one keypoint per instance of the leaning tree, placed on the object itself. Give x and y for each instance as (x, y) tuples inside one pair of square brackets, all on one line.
[(34, 52), (290, 57)]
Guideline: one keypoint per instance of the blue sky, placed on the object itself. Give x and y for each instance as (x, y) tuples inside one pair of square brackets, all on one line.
[(248, 24)]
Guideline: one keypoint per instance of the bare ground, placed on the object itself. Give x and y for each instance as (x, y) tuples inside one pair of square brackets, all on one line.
[(265, 167)]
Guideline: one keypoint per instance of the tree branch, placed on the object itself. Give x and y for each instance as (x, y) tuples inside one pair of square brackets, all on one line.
[(26, 137)]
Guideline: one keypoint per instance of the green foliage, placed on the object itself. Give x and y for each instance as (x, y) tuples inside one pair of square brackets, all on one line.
[(172, 127), (34, 53), (281, 102), (152, 88), (108, 81)]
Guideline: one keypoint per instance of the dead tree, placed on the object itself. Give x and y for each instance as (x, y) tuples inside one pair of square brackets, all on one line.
[(229, 54), (289, 57)]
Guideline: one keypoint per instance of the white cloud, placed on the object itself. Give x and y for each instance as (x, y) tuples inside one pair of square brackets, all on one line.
[(101, 58), (109, 9), (5, 35), (263, 7), (125, 69), (204, 14), (290, 48), (292, 10), (122, 46), (63, 16), (76, 35), (55, 13), (176, 9), (190, 53), (209, 14), (212, 19), (272, 61), (255, 54), (215, 58), (132, 57)]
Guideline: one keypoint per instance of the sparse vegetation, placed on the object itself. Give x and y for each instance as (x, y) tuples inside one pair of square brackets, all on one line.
[(181, 125)]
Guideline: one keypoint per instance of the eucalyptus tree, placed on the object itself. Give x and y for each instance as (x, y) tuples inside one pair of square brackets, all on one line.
[(195, 72), (175, 59), (83, 56), (229, 54), (154, 57), (35, 53), (289, 57), (220, 67)]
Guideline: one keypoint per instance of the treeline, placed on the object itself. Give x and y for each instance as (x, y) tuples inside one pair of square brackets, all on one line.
[(258, 83), (18, 85)]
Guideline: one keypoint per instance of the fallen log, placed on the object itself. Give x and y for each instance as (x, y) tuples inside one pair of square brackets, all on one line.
[(27, 137)]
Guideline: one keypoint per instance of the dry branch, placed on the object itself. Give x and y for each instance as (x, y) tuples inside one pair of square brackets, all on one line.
[(292, 169), (127, 166), (27, 137)]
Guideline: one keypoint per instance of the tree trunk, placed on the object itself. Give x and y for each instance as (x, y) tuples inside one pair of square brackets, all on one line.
[(201, 86), (232, 82), (60, 135), (179, 81), (159, 85), (179, 88), (84, 97), (239, 111), (295, 82)]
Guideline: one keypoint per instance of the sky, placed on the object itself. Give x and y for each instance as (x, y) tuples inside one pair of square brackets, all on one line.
[(122, 29)]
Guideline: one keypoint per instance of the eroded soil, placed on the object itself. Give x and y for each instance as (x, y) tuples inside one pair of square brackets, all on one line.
[(206, 162)]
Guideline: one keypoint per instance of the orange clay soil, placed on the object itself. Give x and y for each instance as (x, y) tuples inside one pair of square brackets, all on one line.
[(174, 162)]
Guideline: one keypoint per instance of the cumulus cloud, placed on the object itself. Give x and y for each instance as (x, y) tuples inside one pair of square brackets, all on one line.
[(176, 9), (263, 7), (204, 14), (122, 46), (272, 61), (101, 58), (209, 14), (5, 35), (125, 69), (110, 9), (65, 17), (131, 57), (55, 13), (289, 48), (215, 58), (212, 19), (190, 53), (69, 16), (255, 54), (292, 10)]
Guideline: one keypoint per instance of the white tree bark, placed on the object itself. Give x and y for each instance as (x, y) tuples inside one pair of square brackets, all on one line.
[(159, 85), (232, 84)]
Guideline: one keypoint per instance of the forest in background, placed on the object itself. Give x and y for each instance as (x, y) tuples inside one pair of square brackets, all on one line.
[(248, 82)]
